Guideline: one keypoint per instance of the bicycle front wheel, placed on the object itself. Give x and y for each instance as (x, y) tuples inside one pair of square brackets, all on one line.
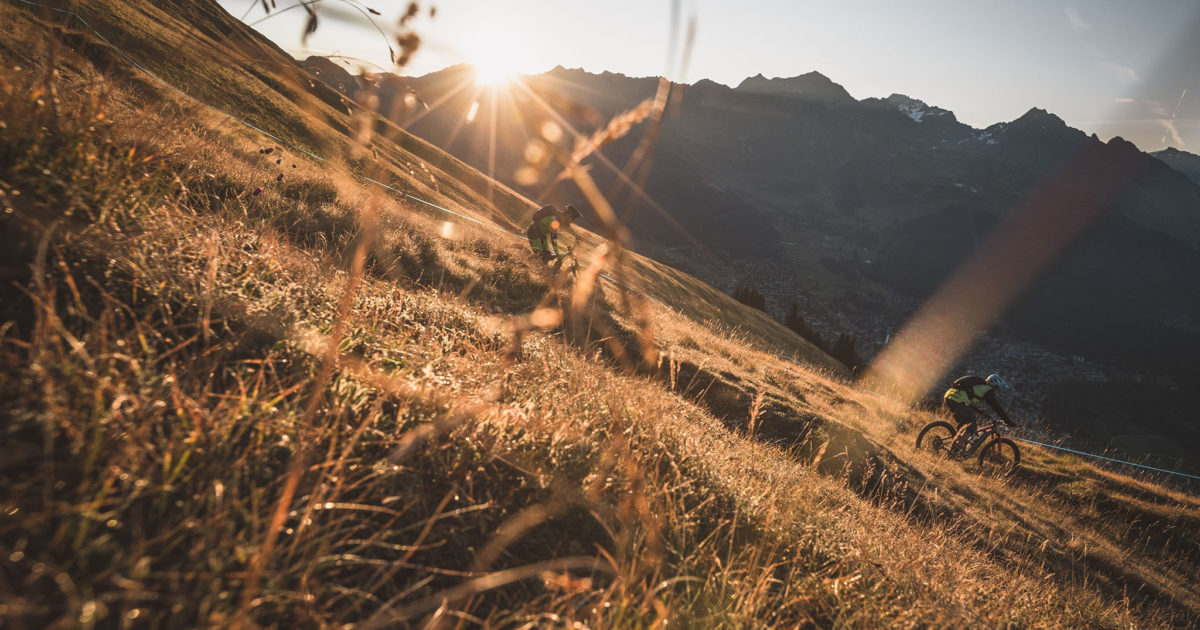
[(1000, 457)]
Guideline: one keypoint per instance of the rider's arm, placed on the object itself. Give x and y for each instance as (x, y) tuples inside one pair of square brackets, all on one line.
[(574, 236), (990, 399)]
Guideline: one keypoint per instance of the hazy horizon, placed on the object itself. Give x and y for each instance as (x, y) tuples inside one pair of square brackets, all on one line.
[(1106, 67)]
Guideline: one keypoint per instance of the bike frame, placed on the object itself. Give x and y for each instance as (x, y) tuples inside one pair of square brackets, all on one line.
[(562, 258), (990, 433)]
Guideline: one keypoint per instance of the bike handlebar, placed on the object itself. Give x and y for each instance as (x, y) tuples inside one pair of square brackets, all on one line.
[(996, 424)]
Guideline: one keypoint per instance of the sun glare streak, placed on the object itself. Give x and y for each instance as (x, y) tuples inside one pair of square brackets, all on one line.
[(464, 120), (518, 116), (1029, 240), (492, 149), (638, 190), (462, 85)]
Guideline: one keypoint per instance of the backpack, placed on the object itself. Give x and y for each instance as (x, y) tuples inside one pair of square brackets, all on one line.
[(543, 212), (967, 384)]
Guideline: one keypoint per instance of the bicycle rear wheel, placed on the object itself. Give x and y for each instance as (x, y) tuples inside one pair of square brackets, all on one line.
[(936, 438), (1000, 457)]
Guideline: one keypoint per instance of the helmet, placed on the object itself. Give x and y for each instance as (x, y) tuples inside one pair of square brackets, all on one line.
[(572, 212), (995, 380)]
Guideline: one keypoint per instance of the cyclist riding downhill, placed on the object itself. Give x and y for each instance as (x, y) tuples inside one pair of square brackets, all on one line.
[(962, 399), (548, 222)]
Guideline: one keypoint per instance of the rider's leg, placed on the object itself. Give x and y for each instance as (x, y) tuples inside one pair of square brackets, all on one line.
[(538, 242), (965, 431), (539, 246), (964, 415)]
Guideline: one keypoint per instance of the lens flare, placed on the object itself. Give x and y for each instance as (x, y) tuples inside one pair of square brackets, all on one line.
[(492, 73)]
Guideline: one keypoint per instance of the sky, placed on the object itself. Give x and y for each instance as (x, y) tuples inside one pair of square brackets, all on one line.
[(1111, 67)]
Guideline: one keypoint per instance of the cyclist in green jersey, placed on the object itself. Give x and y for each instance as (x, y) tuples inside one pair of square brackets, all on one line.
[(548, 222)]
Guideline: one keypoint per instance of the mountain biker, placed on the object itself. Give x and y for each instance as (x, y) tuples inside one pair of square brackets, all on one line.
[(961, 399), (548, 221)]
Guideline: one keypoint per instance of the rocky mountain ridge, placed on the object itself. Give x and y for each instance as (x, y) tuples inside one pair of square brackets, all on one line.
[(1182, 161), (861, 209)]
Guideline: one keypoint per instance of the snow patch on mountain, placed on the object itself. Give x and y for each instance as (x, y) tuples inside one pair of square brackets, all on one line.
[(916, 109), (990, 134)]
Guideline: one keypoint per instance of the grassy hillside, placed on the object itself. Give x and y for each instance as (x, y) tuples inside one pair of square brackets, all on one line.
[(326, 404)]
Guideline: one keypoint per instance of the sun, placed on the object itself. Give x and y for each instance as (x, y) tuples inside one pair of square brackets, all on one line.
[(493, 72), (497, 54)]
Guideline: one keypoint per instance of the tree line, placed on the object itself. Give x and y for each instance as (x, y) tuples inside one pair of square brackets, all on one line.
[(843, 347)]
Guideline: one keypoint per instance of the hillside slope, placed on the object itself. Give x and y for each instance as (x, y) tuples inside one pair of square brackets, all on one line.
[(861, 210), (324, 404)]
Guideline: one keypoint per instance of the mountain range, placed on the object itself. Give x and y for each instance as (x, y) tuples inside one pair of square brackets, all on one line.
[(860, 209), (270, 360)]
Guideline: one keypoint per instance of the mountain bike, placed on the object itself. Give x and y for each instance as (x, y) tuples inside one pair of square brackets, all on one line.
[(997, 455), (565, 263)]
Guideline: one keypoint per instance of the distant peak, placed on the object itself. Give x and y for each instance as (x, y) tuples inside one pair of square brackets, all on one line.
[(917, 109), (807, 79), (708, 83), (1123, 145), (1042, 117), (809, 86), (908, 105)]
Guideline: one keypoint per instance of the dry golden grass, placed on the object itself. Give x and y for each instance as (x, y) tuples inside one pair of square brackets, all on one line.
[(323, 405)]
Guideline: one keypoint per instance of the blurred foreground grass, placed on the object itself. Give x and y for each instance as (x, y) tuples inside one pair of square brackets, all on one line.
[(321, 406)]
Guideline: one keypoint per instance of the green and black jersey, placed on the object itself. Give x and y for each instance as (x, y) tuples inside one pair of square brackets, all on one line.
[(972, 390), (543, 232)]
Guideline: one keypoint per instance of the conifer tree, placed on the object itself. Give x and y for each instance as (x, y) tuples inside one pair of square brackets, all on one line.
[(844, 350), (795, 322), (750, 297)]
